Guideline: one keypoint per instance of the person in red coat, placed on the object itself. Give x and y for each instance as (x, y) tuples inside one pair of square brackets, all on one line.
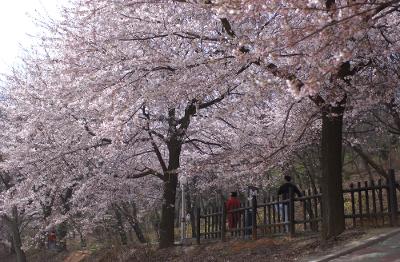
[(52, 238), (232, 203)]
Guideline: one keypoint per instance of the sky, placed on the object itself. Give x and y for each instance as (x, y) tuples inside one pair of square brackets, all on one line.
[(16, 23)]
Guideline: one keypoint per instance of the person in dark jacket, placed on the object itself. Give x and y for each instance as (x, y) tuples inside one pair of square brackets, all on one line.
[(252, 191), (284, 190)]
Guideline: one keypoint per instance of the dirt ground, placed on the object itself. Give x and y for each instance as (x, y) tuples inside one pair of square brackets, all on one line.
[(264, 249)]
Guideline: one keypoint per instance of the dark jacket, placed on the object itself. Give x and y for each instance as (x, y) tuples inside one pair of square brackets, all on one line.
[(284, 190)]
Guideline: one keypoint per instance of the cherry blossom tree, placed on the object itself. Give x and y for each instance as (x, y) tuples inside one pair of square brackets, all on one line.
[(143, 85), (321, 49), (130, 95)]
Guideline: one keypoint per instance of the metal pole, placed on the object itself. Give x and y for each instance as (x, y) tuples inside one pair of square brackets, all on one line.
[(183, 216)]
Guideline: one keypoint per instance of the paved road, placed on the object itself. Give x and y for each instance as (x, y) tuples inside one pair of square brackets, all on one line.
[(385, 251)]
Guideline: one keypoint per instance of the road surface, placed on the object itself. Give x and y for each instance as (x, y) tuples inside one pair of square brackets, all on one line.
[(384, 251)]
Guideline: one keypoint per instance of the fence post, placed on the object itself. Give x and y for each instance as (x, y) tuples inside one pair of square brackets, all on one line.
[(223, 225), (198, 225), (254, 217), (392, 197), (353, 208), (291, 212)]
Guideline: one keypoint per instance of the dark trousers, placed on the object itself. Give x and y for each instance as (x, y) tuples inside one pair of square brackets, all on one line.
[(249, 222)]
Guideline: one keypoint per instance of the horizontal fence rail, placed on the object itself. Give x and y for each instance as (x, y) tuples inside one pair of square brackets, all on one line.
[(368, 203)]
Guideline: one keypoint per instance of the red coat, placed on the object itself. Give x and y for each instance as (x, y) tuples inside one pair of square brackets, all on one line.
[(52, 236), (233, 218)]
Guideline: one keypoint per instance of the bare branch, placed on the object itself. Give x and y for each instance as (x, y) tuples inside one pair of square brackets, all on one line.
[(226, 122), (144, 174), (367, 159), (227, 27), (202, 142), (153, 143), (85, 125), (143, 38), (287, 118)]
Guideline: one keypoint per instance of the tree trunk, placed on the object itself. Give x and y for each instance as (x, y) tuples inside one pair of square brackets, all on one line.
[(16, 236), (130, 213), (138, 231), (168, 211), (155, 222), (12, 248), (62, 231), (331, 165), (120, 227), (82, 240), (169, 195)]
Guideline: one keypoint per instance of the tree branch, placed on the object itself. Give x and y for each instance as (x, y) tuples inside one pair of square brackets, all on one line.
[(85, 125), (153, 143), (227, 27), (367, 159), (193, 140), (146, 173)]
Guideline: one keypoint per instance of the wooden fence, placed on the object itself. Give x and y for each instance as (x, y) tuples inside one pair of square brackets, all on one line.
[(372, 203)]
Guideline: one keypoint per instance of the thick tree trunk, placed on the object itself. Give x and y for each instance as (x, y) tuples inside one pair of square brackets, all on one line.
[(331, 164), (168, 211), (169, 194), (16, 237)]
